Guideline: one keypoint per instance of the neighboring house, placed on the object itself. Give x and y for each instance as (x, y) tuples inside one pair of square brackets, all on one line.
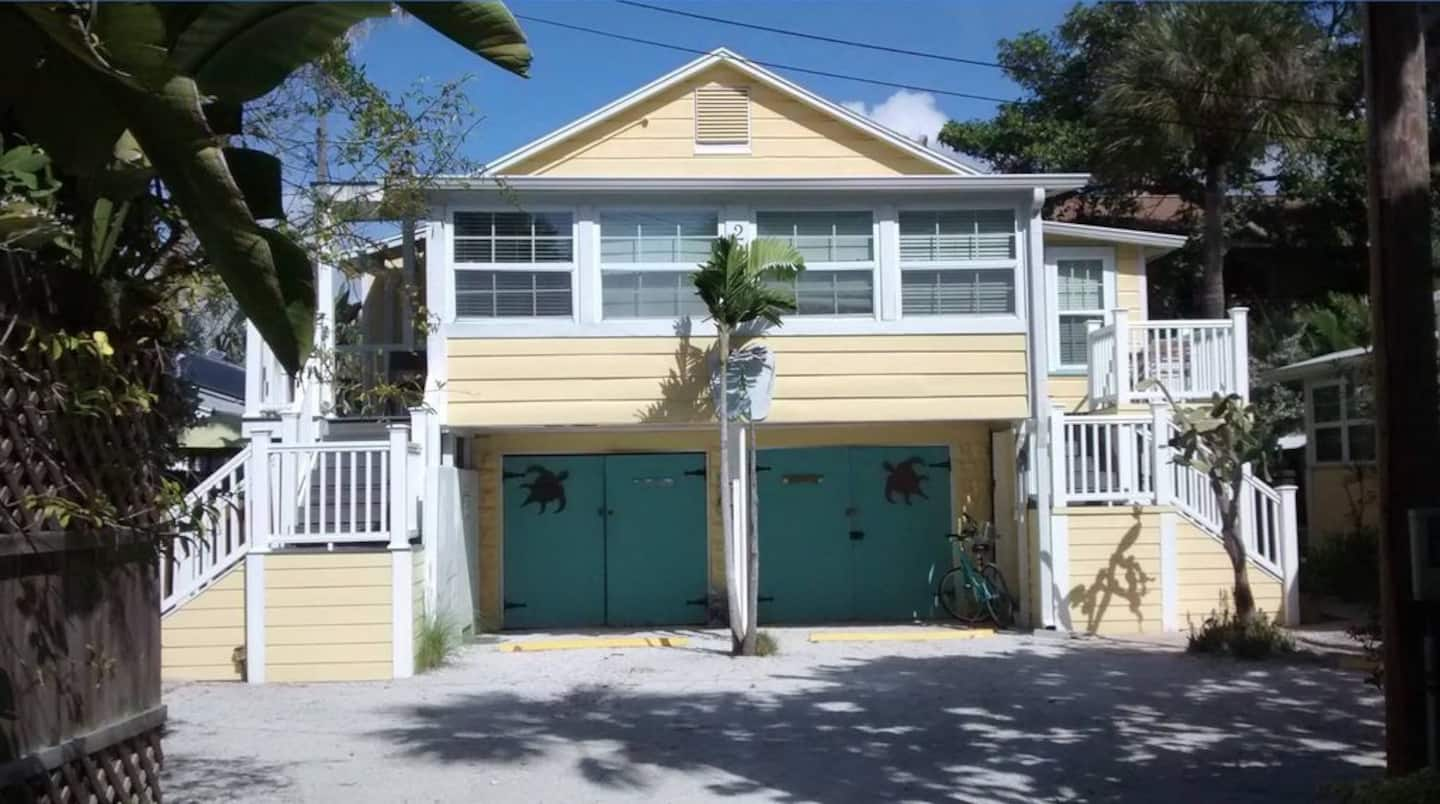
[(215, 437), (952, 352)]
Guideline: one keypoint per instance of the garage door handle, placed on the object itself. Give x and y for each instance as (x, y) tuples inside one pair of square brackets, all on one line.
[(857, 535), (509, 605), (766, 598), (699, 601)]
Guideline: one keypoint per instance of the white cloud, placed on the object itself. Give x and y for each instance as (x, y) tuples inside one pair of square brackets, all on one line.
[(914, 114)]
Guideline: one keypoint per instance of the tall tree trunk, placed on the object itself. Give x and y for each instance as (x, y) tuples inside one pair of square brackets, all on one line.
[(1212, 294), (1234, 541), (727, 518), (752, 548), (1403, 320)]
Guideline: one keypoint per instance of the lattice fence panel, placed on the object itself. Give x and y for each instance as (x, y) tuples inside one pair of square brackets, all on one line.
[(125, 772)]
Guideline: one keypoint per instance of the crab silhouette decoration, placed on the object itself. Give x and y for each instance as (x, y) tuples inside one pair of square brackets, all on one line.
[(547, 487), (904, 479)]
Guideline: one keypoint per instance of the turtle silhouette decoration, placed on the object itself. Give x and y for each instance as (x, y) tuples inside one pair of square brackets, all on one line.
[(904, 480), (546, 487)]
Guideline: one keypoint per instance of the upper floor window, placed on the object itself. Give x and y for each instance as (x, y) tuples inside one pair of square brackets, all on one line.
[(1340, 422), (839, 251), (1081, 281), (528, 259), (646, 261), (957, 262), (514, 237)]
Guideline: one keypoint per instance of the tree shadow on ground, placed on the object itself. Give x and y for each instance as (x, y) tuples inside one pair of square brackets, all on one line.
[(1084, 725), (195, 781)]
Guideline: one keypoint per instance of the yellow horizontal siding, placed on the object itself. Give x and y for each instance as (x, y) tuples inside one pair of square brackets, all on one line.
[(328, 616), (554, 381), (1207, 581), (1114, 570), (198, 640), (1070, 391), (787, 138), (1340, 498)]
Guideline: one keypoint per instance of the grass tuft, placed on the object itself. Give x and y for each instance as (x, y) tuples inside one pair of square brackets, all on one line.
[(436, 644), (766, 644), (1259, 638)]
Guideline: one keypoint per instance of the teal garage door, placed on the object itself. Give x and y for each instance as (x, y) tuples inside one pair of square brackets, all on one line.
[(852, 533), (595, 540)]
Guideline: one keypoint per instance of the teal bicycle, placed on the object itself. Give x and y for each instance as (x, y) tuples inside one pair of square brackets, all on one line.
[(974, 591)]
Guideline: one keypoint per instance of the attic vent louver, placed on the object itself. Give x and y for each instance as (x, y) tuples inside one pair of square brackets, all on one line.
[(722, 118)]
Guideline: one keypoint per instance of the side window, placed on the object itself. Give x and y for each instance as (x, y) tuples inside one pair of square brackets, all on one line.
[(1082, 289), (957, 262), (1341, 425), (514, 264)]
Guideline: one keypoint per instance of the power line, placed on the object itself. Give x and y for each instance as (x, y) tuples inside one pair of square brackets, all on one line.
[(912, 87), (924, 54)]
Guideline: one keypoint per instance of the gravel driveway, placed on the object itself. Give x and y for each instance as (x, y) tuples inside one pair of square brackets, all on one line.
[(1006, 719)]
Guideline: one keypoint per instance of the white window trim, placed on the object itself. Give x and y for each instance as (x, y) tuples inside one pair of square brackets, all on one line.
[(452, 308), (601, 267), (1002, 322), (872, 265), (1343, 424), (1053, 256)]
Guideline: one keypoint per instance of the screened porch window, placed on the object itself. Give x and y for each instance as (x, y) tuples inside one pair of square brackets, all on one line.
[(647, 259), (514, 264), (957, 262), (839, 251)]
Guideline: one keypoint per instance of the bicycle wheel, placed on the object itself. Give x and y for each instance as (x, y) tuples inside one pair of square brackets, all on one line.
[(958, 598), (999, 604)]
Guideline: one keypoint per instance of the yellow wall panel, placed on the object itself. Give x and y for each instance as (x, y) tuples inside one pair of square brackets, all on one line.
[(328, 616), (1114, 570), (788, 138), (608, 381), (1339, 498), (198, 639), (349, 614), (1207, 581)]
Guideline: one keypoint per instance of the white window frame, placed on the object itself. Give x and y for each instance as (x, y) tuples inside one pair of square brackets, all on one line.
[(1343, 424), (526, 267), (1053, 256), (598, 238), (1020, 217), (872, 265)]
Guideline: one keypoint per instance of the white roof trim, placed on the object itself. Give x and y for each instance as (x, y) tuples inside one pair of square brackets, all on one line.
[(1317, 366), (1132, 236), (1052, 182), (716, 56)]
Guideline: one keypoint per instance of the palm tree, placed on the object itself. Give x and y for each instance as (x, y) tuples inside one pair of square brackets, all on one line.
[(739, 287), (1211, 86)]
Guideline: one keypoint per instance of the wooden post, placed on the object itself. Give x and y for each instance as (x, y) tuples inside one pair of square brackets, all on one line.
[(1123, 390), (1240, 355), (1403, 323), (1289, 556)]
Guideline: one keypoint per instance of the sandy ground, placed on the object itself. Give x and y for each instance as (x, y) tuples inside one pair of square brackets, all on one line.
[(1012, 718)]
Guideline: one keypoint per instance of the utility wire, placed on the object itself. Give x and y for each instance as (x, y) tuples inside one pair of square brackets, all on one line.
[(924, 54), (912, 87)]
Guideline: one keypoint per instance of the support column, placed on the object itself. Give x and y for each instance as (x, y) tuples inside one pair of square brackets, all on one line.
[(1123, 391), (402, 605), (1037, 348), (1240, 359), (258, 527), (1289, 556), (1055, 552), (1060, 571), (1169, 572)]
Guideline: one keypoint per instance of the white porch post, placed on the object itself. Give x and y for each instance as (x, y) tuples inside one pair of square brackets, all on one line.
[(1123, 391), (1248, 532), (257, 537), (1161, 464), (254, 371), (1240, 358), (1055, 562), (1289, 556), (1037, 344), (402, 605), (1095, 381)]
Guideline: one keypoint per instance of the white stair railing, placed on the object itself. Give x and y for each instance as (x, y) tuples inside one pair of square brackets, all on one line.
[(1192, 359), (1105, 458), (216, 508)]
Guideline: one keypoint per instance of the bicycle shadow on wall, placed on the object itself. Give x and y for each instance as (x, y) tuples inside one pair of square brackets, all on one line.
[(1123, 577)]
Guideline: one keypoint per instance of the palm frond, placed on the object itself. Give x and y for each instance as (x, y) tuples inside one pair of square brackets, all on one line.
[(743, 283)]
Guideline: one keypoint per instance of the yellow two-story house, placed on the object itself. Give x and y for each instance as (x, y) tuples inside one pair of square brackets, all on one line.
[(952, 352)]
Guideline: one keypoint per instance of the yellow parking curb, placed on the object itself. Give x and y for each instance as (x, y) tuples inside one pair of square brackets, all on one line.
[(594, 642), (900, 636)]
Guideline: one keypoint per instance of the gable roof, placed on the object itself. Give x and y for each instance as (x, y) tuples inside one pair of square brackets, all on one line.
[(763, 76)]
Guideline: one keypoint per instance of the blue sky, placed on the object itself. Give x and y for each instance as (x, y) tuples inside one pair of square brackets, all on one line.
[(575, 72)]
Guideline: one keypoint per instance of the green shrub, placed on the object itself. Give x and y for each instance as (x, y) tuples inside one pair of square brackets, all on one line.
[(1423, 786), (1344, 565), (1258, 638), (436, 643), (766, 644)]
